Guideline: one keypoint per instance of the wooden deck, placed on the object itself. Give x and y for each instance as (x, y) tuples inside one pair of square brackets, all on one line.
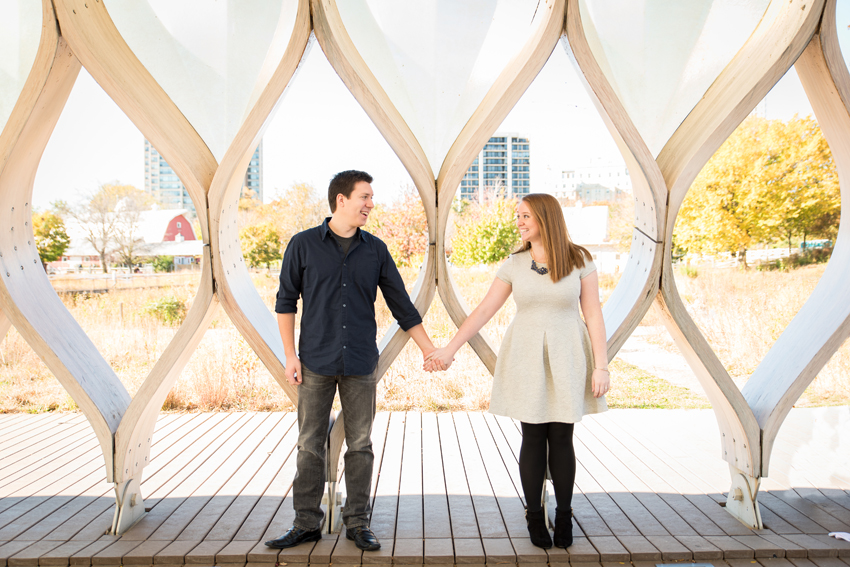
[(446, 490)]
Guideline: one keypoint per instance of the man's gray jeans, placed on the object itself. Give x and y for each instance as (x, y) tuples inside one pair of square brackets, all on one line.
[(315, 400)]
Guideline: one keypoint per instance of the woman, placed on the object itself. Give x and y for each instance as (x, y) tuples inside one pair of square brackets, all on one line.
[(545, 374)]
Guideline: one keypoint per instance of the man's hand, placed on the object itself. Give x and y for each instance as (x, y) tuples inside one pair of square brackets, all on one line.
[(438, 360), (292, 370)]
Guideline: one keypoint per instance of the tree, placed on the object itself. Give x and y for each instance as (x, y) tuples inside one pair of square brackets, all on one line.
[(129, 212), (486, 234), (770, 180), (107, 216), (403, 227), (51, 238), (300, 207), (260, 244)]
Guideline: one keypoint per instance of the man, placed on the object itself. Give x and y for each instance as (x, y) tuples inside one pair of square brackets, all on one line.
[(336, 269)]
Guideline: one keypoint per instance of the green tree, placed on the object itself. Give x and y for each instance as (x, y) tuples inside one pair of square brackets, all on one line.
[(51, 238), (485, 234), (260, 244)]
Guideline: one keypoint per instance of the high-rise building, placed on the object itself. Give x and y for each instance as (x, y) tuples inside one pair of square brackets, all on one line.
[(501, 169), (162, 182)]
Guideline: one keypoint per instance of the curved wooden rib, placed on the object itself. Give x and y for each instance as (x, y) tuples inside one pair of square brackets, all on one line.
[(507, 89), (26, 295), (235, 288), (823, 323), (95, 40), (780, 37), (638, 285), (5, 325)]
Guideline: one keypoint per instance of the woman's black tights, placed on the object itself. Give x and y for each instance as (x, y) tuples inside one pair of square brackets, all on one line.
[(562, 462)]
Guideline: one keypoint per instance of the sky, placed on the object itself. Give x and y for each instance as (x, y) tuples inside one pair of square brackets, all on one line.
[(319, 129)]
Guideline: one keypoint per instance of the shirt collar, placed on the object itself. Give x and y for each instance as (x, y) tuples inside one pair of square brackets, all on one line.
[(325, 230)]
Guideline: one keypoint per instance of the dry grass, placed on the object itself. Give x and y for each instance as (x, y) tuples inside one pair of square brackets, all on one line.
[(743, 313), (740, 313)]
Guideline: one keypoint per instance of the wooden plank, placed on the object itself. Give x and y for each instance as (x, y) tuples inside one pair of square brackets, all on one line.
[(29, 556), (791, 549), (11, 548), (385, 507), (843, 547), (438, 550), (527, 552), (60, 556), (701, 548), (813, 511), (406, 551), (53, 434), (821, 562), (510, 504), (20, 427), (761, 547), (250, 457), (345, 552), (84, 556), (640, 548), (114, 554), (498, 550), (812, 546), (227, 527), (509, 458), (188, 500), (609, 548), (172, 484), (469, 551), (205, 552), (673, 511), (731, 548), (409, 522), (321, 552), (487, 512), (235, 552), (145, 553), (461, 508), (671, 549), (77, 514), (790, 514), (174, 553), (628, 512), (436, 520)]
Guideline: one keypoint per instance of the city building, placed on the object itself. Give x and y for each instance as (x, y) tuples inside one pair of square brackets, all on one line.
[(501, 168), (597, 181), (163, 184)]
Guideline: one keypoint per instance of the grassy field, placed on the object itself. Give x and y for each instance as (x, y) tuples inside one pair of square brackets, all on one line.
[(741, 314)]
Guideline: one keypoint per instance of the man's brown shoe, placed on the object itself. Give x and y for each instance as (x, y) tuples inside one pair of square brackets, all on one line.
[(363, 537)]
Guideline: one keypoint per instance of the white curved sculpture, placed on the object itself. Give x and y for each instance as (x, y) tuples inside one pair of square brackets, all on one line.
[(670, 80)]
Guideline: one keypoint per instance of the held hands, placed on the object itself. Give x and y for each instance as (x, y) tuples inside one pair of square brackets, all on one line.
[(439, 359), (600, 382)]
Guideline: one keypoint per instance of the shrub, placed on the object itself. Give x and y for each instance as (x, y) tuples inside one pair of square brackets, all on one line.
[(163, 264), (168, 309), (488, 236)]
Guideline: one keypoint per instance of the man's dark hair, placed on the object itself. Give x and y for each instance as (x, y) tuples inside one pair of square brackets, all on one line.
[(343, 182)]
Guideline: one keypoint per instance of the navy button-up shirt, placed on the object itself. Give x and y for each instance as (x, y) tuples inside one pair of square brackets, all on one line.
[(338, 328)]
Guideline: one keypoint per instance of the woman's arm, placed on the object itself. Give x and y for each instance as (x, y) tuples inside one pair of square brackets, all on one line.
[(592, 311), (496, 296)]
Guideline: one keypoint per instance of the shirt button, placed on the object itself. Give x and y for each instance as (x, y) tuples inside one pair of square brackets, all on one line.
[(343, 326), (343, 304), (343, 285), (343, 346)]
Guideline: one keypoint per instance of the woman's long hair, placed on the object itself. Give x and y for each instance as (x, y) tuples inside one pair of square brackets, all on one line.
[(563, 256)]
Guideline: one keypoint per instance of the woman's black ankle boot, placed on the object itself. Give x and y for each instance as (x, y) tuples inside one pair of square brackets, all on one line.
[(537, 529), (563, 528)]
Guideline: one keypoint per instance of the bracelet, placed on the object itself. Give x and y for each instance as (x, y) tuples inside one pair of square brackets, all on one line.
[(603, 370)]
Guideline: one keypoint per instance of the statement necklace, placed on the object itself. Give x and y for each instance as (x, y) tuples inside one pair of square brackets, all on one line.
[(535, 267)]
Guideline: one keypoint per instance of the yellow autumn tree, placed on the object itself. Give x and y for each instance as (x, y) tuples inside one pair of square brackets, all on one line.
[(771, 180)]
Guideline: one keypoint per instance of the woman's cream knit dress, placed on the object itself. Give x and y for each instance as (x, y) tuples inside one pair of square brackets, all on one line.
[(545, 363)]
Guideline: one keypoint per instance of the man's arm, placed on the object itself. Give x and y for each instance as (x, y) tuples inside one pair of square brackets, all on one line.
[(286, 325), (286, 306)]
